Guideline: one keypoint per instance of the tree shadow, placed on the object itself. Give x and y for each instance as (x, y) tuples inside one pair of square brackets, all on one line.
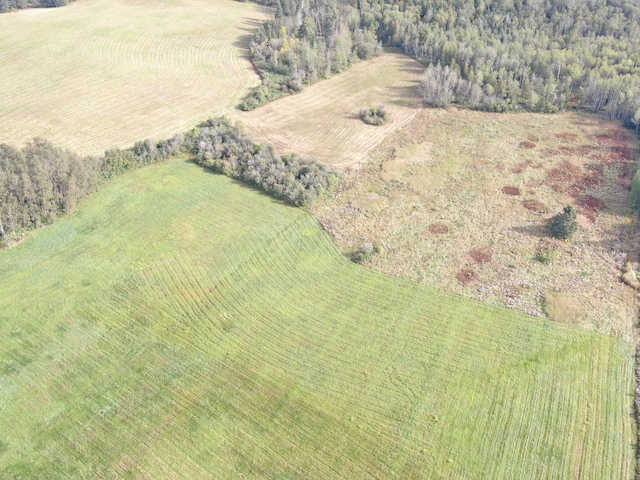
[(406, 96), (243, 42), (239, 183), (538, 231)]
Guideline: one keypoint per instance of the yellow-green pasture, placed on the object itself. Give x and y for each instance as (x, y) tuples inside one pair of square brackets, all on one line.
[(323, 120), (103, 73)]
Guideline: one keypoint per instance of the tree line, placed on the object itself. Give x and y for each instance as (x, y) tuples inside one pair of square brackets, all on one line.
[(503, 56), (224, 148), (510, 55), (41, 181), (8, 5)]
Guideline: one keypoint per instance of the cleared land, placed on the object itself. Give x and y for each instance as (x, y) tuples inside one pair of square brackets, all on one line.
[(323, 121), (460, 200), (104, 73), (182, 326)]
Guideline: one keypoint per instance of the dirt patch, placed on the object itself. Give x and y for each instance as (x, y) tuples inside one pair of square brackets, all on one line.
[(527, 145), (481, 255), (535, 206), (438, 228), (513, 191), (467, 276)]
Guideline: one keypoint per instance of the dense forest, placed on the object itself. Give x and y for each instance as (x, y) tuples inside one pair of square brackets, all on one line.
[(8, 5), (507, 55), (41, 182)]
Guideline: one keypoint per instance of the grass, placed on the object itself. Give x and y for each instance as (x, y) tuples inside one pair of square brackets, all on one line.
[(181, 325), (324, 120), (461, 200), (102, 73)]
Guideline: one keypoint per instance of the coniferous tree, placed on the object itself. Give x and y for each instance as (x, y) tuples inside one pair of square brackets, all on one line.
[(564, 225)]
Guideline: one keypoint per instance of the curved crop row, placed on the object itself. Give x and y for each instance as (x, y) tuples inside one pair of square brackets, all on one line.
[(132, 71), (206, 330)]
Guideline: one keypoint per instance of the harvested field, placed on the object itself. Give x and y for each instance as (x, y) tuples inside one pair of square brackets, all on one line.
[(323, 121), (492, 185), (179, 325), (104, 73)]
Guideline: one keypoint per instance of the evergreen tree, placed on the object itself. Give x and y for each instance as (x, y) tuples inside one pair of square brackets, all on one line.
[(564, 225)]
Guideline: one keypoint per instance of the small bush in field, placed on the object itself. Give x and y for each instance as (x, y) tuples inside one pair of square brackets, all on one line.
[(365, 252), (374, 115), (564, 224)]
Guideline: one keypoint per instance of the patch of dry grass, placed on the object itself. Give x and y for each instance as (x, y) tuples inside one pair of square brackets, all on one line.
[(452, 187), (104, 73), (323, 121)]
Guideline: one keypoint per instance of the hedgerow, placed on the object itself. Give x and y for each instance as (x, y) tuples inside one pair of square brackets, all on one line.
[(41, 181), (224, 148)]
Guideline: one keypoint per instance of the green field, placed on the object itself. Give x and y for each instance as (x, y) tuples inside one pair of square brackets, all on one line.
[(179, 325), (103, 73)]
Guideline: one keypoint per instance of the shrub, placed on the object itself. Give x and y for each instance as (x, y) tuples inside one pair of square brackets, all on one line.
[(374, 115), (261, 95), (365, 252), (564, 224), (545, 253)]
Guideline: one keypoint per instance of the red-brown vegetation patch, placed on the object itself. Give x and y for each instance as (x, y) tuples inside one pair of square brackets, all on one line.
[(550, 152), (467, 276), (514, 191), (527, 145), (595, 169), (616, 149), (481, 255), (593, 177), (572, 137), (521, 166), (564, 150), (590, 206), (500, 167), (591, 203), (620, 155), (590, 215), (560, 178), (535, 206), (612, 138), (438, 228), (584, 150)]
